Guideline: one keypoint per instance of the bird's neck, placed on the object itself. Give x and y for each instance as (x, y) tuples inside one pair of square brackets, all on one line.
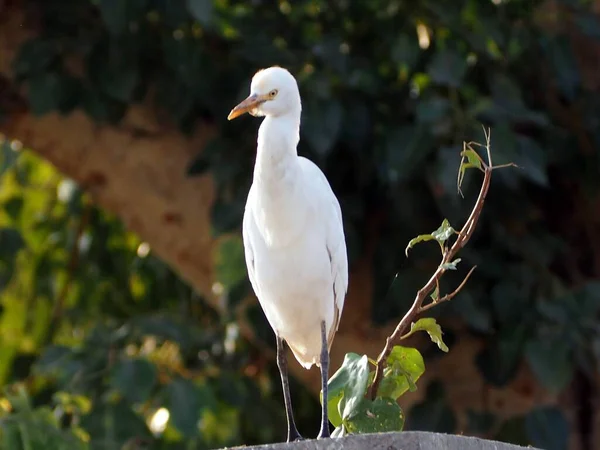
[(277, 141), (277, 181)]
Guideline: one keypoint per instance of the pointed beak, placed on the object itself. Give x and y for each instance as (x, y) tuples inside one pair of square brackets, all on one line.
[(247, 105)]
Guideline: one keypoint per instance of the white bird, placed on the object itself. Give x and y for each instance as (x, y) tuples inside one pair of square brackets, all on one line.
[(293, 236)]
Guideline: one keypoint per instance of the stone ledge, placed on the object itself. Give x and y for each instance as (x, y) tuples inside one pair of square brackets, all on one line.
[(408, 440)]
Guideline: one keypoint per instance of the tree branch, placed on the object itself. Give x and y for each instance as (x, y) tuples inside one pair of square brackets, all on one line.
[(448, 255)]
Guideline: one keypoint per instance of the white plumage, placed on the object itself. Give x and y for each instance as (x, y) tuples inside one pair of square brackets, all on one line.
[(293, 232)]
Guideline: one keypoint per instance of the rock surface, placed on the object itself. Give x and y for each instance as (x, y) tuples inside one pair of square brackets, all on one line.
[(408, 440)]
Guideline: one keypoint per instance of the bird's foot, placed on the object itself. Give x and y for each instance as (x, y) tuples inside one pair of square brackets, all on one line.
[(294, 437), (324, 433)]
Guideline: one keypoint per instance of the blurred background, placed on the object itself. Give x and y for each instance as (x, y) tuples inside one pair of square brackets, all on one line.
[(127, 321)]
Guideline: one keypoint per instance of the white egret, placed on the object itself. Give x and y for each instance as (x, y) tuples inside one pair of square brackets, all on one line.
[(293, 236)]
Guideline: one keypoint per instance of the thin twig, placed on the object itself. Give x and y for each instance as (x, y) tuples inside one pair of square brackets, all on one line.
[(448, 256), (449, 296)]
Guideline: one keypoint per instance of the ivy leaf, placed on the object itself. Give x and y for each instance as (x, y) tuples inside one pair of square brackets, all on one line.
[(134, 378), (185, 405), (451, 265), (201, 10), (444, 232), (414, 241), (551, 362), (13, 207), (447, 68), (322, 125), (547, 428), (378, 416), (347, 387), (405, 367), (114, 14), (432, 328), (11, 243)]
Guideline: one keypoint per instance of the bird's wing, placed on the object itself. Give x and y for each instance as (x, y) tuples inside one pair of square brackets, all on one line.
[(335, 240), (247, 229)]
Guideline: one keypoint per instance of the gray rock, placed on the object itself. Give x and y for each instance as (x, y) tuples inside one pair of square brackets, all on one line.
[(408, 440)]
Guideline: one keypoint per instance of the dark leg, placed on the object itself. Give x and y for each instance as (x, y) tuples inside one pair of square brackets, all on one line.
[(324, 433), (293, 434)]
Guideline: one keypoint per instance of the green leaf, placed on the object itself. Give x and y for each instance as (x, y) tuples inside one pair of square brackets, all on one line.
[(114, 14), (472, 157), (433, 109), (134, 378), (560, 54), (11, 243), (322, 125), (432, 328), (347, 387), (550, 359), (201, 10), (405, 367), (447, 68), (414, 241), (406, 149), (588, 24), (378, 416), (34, 56), (443, 233), (185, 406), (13, 207), (451, 265), (46, 93), (406, 51), (7, 156), (230, 265), (547, 428)]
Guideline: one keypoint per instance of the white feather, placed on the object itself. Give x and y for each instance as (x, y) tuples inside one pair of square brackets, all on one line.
[(293, 232)]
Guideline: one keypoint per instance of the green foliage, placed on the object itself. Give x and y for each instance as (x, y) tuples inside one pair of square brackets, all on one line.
[(390, 92), (102, 345), (349, 408), (432, 328)]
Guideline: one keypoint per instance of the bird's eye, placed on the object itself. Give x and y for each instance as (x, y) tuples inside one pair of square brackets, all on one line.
[(273, 93)]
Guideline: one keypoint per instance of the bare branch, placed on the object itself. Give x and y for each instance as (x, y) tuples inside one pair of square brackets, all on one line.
[(449, 296), (448, 256)]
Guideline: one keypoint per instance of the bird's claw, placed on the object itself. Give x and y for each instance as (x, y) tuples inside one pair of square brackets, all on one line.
[(294, 437), (324, 434)]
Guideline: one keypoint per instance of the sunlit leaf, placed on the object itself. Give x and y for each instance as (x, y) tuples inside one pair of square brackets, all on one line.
[(347, 387), (444, 232), (414, 241), (432, 328), (405, 366)]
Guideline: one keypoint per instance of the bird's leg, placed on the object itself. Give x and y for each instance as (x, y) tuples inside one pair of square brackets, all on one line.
[(293, 434), (324, 433)]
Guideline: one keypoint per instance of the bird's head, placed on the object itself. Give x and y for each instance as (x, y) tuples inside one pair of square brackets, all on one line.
[(273, 92)]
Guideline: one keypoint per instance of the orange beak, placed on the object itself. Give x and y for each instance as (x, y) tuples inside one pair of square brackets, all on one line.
[(247, 105)]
